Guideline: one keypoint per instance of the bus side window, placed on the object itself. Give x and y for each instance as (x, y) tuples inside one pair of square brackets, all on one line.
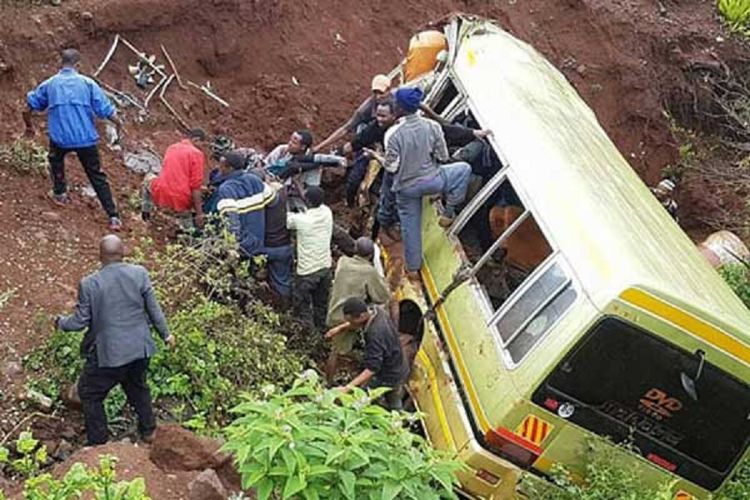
[(448, 94), (504, 243)]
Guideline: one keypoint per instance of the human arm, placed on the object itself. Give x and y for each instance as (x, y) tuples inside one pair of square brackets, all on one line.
[(360, 380), (292, 220), (344, 129), (36, 100), (392, 159), (81, 318), (102, 106), (431, 114), (155, 314), (338, 330)]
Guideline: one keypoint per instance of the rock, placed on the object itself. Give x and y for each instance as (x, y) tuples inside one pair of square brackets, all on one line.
[(175, 448), (63, 450), (206, 486), (88, 192), (581, 69), (12, 369), (37, 398), (143, 162), (51, 216), (87, 16)]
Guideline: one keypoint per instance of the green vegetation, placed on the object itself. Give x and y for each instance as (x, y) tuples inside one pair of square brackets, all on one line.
[(228, 341), (83, 482), (31, 456), (738, 277), (736, 13), (313, 443), (24, 157)]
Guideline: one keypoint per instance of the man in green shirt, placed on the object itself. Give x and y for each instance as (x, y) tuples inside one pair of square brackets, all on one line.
[(355, 277)]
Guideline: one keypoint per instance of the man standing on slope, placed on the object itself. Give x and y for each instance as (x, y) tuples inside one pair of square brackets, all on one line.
[(73, 101), (117, 306)]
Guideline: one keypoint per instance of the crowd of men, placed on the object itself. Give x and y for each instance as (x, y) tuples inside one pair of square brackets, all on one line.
[(274, 207)]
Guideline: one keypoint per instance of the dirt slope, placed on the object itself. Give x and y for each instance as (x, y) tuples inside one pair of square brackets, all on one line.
[(284, 64)]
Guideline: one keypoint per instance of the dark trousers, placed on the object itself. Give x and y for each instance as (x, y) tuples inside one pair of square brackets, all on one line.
[(89, 158), (93, 387), (354, 178), (312, 290), (279, 263)]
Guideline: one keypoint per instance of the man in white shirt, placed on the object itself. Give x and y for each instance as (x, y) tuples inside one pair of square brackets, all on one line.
[(312, 283)]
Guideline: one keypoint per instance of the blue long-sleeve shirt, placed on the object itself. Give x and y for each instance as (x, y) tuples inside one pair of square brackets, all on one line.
[(242, 199), (73, 102)]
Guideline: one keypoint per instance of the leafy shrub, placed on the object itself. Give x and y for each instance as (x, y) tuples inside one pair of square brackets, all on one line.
[(314, 443), (738, 277), (24, 157), (84, 482), (738, 487), (606, 477), (736, 13), (31, 456)]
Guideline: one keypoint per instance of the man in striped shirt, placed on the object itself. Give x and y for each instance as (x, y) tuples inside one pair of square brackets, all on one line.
[(415, 148)]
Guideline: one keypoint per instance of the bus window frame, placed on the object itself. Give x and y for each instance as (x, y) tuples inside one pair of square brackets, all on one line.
[(463, 102)]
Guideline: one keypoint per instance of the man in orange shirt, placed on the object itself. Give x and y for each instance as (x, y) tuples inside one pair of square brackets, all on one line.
[(180, 182)]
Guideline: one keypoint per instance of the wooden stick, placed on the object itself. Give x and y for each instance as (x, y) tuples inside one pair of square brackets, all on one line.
[(154, 90), (209, 93), (123, 95), (174, 68), (166, 84), (142, 57), (108, 56), (176, 116)]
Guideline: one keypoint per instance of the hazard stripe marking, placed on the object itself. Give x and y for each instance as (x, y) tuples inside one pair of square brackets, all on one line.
[(534, 429)]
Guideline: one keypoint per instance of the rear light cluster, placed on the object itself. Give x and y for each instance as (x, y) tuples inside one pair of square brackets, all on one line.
[(507, 444)]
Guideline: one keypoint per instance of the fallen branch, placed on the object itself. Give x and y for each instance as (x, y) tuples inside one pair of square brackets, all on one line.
[(209, 93), (174, 68), (142, 57), (108, 56)]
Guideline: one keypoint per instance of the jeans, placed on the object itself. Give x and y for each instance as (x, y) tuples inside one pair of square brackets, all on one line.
[(312, 290), (279, 263), (93, 387), (354, 178), (451, 181), (387, 213), (89, 158)]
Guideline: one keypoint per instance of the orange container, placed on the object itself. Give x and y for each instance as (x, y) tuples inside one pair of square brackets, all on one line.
[(422, 56)]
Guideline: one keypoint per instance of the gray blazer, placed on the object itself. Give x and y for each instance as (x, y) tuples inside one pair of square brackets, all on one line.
[(117, 304)]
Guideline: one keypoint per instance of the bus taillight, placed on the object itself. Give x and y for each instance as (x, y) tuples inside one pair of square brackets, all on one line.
[(507, 444)]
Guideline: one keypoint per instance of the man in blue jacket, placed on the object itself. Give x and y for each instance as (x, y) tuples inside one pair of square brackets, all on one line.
[(241, 200), (73, 102)]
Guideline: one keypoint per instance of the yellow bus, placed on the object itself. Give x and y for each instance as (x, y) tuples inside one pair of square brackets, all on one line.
[(568, 304)]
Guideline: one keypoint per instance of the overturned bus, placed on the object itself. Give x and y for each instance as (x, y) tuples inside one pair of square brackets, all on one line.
[(580, 311)]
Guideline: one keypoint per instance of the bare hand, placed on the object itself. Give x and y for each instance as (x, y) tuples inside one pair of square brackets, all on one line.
[(481, 134), (170, 342), (343, 388), (369, 153), (331, 333), (347, 149)]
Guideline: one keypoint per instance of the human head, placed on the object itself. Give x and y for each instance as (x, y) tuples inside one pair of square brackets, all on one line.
[(70, 58), (380, 86), (409, 99), (196, 135), (364, 247), (355, 311), (385, 113), (300, 141), (314, 197), (664, 189), (111, 249), (231, 161)]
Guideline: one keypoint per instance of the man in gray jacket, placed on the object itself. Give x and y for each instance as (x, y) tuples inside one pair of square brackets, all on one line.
[(117, 305)]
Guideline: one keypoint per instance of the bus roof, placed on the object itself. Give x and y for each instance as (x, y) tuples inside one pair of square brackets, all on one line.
[(587, 198)]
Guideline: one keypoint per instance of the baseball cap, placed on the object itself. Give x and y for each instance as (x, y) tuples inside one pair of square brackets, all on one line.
[(381, 83)]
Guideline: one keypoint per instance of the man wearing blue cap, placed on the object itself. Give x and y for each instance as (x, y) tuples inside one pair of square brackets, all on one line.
[(415, 148)]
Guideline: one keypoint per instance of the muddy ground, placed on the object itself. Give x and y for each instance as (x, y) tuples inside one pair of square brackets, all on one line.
[(283, 64)]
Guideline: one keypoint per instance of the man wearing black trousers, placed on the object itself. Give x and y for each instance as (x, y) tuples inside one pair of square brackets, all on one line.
[(73, 102), (117, 305)]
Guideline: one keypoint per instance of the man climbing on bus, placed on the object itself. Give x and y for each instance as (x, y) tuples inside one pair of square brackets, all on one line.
[(414, 149)]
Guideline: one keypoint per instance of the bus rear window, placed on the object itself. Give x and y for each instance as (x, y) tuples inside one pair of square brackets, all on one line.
[(622, 382)]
